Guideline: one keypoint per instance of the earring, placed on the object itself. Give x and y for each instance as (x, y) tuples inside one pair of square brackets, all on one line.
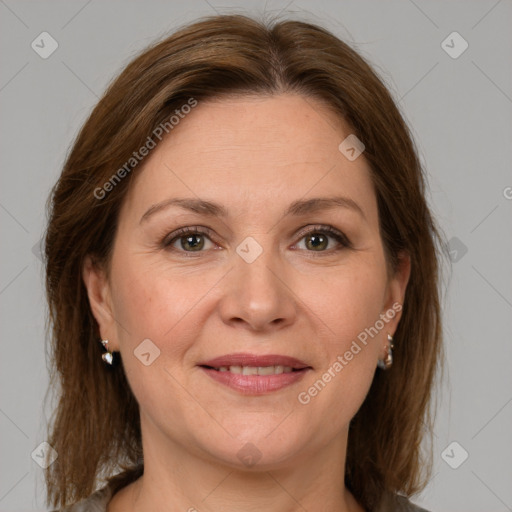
[(108, 356), (386, 363)]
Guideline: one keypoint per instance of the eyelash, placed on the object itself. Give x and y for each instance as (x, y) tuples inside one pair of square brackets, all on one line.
[(200, 230)]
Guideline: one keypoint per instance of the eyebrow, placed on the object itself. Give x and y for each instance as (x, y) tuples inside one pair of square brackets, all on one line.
[(297, 208)]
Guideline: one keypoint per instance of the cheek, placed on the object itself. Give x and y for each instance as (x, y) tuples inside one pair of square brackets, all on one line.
[(347, 310), (167, 307), (349, 302), (150, 301), (150, 305)]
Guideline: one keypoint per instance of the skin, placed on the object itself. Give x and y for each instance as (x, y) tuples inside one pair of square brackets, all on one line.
[(255, 156)]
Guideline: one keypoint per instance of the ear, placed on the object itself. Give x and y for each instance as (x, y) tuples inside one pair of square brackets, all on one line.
[(397, 285), (98, 291)]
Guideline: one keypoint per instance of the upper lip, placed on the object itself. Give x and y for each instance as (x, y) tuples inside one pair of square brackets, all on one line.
[(243, 359)]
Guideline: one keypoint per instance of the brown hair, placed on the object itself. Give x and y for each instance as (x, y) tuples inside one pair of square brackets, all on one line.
[(96, 427)]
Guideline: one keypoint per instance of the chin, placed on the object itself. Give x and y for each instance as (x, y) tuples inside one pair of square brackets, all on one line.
[(260, 450)]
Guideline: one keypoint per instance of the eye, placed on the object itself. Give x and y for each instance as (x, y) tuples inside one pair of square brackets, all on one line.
[(189, 239), (197, 239), (318, 238)]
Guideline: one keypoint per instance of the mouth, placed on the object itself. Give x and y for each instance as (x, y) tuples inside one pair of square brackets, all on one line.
[(252, 364), (255, 375), (254, 370)]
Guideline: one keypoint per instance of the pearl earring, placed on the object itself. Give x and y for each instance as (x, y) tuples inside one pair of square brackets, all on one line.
[(387, 362), (107, 356)]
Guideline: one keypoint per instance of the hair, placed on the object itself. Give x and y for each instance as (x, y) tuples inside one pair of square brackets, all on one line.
[(95, 427)]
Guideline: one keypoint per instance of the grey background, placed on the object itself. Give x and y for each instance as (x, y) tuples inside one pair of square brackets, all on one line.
[(460, 113)]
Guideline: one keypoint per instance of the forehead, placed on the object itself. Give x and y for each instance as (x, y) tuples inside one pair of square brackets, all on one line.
[(253, 152)]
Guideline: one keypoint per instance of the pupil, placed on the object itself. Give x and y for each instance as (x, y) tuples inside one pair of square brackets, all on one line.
[(317, 240), (194, 242)]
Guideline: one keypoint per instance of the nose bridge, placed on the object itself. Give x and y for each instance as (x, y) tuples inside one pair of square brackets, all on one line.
[(257, 295), (255, 272)]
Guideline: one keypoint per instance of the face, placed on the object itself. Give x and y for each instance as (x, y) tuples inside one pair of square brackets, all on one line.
[(249, 264)]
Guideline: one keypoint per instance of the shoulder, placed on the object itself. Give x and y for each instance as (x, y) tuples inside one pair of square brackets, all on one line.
[(396, 503), (96, 502)]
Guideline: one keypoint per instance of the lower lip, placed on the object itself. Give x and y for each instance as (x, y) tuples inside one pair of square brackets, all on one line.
[(255, 384)]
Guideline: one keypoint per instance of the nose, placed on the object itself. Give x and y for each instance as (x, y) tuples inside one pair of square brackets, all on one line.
[(258, 296)]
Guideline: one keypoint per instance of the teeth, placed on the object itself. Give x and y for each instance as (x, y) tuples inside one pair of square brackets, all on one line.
[(256, 370), (266, 370)]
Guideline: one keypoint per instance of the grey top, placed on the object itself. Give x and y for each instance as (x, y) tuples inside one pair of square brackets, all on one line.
[(97, 502)]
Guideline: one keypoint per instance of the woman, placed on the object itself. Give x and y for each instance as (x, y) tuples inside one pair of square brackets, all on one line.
[(242, 274)]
